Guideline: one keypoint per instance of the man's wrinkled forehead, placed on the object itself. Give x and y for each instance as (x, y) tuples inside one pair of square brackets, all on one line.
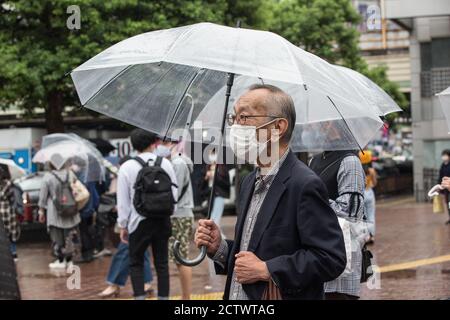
[(249, 101)]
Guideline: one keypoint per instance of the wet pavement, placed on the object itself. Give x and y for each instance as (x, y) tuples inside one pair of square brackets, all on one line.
[(412, 249)]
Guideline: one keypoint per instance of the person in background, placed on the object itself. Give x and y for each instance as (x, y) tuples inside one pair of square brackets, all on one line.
[(87, 213), (119, 269), (183, 218), (444, 171), (343, 175), (62, 229), (137, 230), (7, 213), (222, 190), (369, 194)]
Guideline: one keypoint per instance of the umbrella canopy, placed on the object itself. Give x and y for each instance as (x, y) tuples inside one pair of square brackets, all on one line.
[(162, 80), (444, 99), (379, 100), (313, 124), (72, 153), (14, 170)]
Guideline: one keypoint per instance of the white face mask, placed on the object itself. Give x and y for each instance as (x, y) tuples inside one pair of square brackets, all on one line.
[(163, 151), (244, 142)]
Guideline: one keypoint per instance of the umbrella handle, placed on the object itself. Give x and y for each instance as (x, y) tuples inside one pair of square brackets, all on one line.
[(185, 262)]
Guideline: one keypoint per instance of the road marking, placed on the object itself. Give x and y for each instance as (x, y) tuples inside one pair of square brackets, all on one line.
[(414, 264), (389, 268)]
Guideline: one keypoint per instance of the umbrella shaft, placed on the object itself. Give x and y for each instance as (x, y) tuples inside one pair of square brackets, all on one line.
[(219, 153)]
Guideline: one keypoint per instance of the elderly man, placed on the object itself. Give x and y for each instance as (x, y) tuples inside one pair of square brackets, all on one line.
[(287, 238)]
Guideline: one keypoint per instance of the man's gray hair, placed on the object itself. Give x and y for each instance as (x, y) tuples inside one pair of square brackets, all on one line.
[(279, 104)]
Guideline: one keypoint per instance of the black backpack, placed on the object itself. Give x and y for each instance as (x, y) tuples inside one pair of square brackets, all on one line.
[(63, 199), (17, 199), (153, 196)]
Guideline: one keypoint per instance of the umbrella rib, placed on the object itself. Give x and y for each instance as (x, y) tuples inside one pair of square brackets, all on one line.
[(346, 124), (181, 100), (107, 83)]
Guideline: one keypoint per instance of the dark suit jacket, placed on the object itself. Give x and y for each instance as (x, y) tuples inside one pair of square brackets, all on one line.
[(296, 233)]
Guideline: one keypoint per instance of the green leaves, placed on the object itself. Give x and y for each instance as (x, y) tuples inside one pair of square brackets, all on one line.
[(37, 49)]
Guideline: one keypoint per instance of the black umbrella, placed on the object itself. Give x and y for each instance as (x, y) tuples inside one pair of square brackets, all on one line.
[(104, 146)]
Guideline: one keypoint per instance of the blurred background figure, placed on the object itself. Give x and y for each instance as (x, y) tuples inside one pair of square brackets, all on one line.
[(183, 218), (63, 229), (222, 190), (444, 171), (7, 212), (369, 194), (119, 269)]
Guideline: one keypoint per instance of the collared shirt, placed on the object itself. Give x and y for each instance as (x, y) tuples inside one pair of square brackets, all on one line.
[(350, 206), (128, 217), (262, 185)]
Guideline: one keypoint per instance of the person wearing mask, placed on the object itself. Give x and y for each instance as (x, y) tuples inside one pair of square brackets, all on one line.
[(140, 229), (288, 241), (444, 171), (7, 213), (343, 175), (183, 218), (369, 194), (119, 269), (62, 229)]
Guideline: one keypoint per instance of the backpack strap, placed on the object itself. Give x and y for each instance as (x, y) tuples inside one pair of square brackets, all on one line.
[(183, 191), (56, 176), (158, 161), (141, 162), (59, 179)]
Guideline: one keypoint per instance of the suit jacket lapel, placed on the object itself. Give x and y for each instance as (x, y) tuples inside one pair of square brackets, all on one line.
[(270, 202), (246, 194)]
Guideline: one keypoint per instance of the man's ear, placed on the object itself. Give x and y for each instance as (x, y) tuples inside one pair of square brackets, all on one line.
[(282, 126)]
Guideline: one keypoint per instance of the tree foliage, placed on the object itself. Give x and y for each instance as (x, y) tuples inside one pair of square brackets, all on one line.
[(37, 49)]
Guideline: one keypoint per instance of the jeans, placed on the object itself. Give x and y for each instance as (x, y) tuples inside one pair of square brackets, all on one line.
[(217, 210), (119, 269), (13, 248), (369, 206), (154, 232)]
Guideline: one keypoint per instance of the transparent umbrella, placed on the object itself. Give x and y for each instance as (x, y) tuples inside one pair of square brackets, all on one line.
[(444, 99), (65, 153), (14, 170), (311, 132), (162, 80), (95, 170), (380, 101)]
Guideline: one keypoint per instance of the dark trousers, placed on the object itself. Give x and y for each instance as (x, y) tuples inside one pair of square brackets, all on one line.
[(154, 233), (339, 296), (87, 234)]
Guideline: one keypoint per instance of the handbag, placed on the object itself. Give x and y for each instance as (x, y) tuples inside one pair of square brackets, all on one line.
[(366, 264), (438, 207), (272, 292), (80, 193)]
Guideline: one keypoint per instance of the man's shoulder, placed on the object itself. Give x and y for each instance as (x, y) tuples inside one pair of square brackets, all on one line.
[(302, 173), (130, 163)]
